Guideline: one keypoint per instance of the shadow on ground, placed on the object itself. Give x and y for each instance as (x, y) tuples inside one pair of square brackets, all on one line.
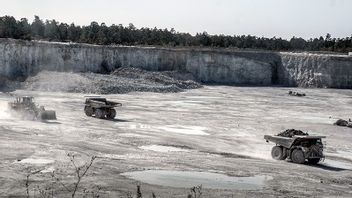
[(51, 122), (329, 167)]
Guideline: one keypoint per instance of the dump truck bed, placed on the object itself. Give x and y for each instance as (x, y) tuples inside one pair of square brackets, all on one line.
[(287, 142), (102, 103)]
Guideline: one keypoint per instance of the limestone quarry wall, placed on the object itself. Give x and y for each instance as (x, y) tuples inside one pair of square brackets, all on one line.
[(20, 59), (316, 70), (24, 58)]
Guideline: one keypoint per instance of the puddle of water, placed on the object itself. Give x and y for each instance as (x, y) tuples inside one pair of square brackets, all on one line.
[(124, 156), (36, 161), (131, 135), (48, 170), (189, 130), (163, 149), (188, 179)]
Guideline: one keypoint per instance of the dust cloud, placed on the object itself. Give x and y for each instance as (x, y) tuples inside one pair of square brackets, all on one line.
[(4, 110)]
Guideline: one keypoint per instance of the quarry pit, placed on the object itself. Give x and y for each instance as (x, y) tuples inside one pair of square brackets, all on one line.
[(212, 130), (189, 117)]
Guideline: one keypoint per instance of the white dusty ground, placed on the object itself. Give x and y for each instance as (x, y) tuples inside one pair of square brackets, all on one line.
[(215, 129)]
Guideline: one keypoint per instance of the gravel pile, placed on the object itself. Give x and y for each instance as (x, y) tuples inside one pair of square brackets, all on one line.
[(182, 80), (122, 80), (345, 123), (291, 133)]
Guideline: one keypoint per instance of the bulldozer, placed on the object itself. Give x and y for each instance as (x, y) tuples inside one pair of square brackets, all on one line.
[(27, 109)]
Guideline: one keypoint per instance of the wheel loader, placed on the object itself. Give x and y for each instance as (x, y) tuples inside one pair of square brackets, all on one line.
[(100, 108), (27, 109)]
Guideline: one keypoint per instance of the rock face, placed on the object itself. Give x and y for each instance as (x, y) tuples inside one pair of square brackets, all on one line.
[(316, 70), (20, 59)]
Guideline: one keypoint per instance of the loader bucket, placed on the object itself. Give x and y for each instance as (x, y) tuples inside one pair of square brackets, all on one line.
[(48, 115)]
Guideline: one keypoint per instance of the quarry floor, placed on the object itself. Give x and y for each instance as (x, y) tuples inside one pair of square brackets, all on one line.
[(215, 129)]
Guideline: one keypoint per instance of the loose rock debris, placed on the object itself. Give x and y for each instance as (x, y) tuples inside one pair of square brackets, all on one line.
[(122, 80), (291, 133), (345, 123), (293, 93)]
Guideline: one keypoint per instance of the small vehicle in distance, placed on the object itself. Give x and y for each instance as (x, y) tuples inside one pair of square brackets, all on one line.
[(100, 108), (299, 149), (293, 93)]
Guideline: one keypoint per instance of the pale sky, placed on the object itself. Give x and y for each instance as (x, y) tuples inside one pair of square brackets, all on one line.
[(280, 18)]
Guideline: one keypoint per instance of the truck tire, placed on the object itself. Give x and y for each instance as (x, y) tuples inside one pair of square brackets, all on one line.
[(111, 114), (313, 161), (99, 113), (88, 111), (277, 152), (297, 156)]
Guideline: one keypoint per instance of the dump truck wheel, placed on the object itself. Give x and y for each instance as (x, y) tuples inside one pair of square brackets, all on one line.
[(111, 114), (314, 161), (277, 153), (99, 113), (297, 156), (88, 111)]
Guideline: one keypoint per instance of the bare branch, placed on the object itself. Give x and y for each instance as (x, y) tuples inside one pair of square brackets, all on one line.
[(62, 184), (79, 177), (27, 180)]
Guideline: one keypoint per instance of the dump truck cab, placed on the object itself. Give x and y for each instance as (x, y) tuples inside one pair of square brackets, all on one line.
[(299, 149), (26, 99), (22, 102)]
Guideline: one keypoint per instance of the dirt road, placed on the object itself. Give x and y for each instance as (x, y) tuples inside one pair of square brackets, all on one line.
[(214, 132)]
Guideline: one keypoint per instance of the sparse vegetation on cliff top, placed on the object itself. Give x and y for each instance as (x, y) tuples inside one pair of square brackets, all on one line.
[(102, 34)]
